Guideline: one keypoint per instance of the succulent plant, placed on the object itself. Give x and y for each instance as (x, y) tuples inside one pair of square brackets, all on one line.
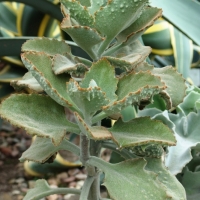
[(109, 32)]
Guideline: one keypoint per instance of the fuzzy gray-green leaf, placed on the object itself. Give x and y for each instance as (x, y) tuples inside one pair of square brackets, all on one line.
[(42, 149), (38, 115), (40, 64), (46, 45), (141, 131)]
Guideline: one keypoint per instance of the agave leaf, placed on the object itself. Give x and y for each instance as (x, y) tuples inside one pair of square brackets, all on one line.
[(135, 30), (170, 10), (39, 64), (175, 190), (42, 149), (9, 73), (89, 100), (187, 135), (62, 64), (92, 132), (191, 182), (78, 12), (141, 131), (176, 88), (27, 83), (140, 183), (104, 75), (107, 18), (38, 115), (46, 45)]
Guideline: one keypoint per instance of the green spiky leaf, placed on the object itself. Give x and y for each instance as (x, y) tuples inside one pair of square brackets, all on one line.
[(38, 115)]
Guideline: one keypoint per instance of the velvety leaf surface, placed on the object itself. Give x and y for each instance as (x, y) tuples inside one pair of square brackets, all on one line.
[(143, 86), (93, 132), (55, 86), (46, 45), (174, 81), (107, 18), (84, 36), (38, 115), (78, 12), (62, 64), (88, 100), (140, 183), (104, 75), (127, 57), (175, 190), (141, 131), (42, 149), (146, 19), (187, 135), (27, 83)]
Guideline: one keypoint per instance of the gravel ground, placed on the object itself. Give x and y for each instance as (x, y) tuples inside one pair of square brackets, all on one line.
[(14, 182)]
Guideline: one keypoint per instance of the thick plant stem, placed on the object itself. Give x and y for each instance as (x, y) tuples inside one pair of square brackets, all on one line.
[(85, 151), (95, 187)]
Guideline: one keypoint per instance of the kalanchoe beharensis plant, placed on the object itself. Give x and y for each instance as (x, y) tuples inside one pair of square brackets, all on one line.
[(108, 31)]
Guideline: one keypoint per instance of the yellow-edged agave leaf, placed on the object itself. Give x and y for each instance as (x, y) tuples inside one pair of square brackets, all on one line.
[(103, 73), (38, 115), (42, 189), (63, 64), (92, 132), (140, 131), (88, 100), (42, 149), (128, 57), (174, 81), (78, 12), (143, 86), (46, 45), (108, 22), (175, 190), (135, 30), (39, 64), (130, 180), (28, 83)]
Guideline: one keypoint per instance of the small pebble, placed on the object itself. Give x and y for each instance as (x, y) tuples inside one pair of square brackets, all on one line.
[(73, 172), (15, 192), (69, 179), (81, 176)]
